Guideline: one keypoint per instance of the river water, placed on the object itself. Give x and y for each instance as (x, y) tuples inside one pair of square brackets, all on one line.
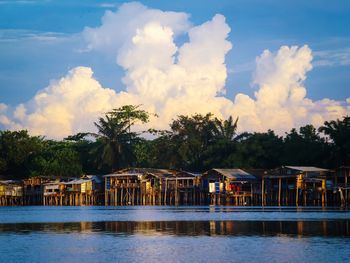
[(174, 234)]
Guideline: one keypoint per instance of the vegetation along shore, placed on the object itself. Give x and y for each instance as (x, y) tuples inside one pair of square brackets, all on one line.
[(200, 160)]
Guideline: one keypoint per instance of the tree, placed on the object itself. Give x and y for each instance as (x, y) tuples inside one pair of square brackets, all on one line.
[(258, 150), (225, 129), (196, 142), (17, 151), (305, 147), (339, 133), (223, 146), (115, 140), (84, 146), (164, 152), (57, 159), (191, 136)]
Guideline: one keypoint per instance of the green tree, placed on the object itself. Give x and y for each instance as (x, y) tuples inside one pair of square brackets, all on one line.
[(164, 152), (258, 150), (225, 129), (339, 133), (57, 159), (195, 142), (305, 147), (84, 146), (223, 145), (115, 140), (17, 151), (191, 136)]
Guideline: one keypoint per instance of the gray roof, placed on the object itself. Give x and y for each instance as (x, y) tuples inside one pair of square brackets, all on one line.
[(307, 168), (122, 174), (9, 182), (235, 174), (77, 181), (160, 173)]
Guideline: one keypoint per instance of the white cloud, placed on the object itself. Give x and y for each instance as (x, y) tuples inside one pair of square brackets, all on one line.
[(107, 5), (171, 79), (66, 106), (336, 57), (280, 102), (12, 35), (118, 28)]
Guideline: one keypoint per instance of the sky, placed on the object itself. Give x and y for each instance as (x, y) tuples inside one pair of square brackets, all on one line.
[(274, 64)]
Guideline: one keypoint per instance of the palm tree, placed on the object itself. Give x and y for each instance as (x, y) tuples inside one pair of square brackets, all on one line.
[(114, 140), (225, 129)]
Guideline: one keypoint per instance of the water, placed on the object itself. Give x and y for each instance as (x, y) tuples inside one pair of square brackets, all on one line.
[(174, 234)]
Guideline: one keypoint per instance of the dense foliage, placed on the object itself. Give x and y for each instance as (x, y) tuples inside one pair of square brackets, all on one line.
[(194, 143)]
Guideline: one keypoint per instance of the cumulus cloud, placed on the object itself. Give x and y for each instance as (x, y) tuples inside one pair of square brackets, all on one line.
[(118, 28), (172, 79), (65, 107), (280, 101)]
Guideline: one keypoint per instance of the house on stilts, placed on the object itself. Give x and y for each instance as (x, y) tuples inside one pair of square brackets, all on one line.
[(87, 190), (227, 187), (11, 193), (342, 186), (147, 186), (295, 185)]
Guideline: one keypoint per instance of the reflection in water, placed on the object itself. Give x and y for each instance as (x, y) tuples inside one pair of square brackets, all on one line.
[(325, 228), (174, 234)]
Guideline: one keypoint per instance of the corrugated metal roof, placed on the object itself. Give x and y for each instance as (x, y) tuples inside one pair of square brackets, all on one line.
[(142, 171), (77, 181), (181, 174), (236, 174), (307, 168), (122, 174), (9, 182)]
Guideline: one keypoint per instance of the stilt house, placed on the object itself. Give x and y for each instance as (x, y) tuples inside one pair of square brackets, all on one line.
[(33, 189), (146, 186), (84, 191), (74, 191), (227, 187), (11, 193), (342, 185), (295, 185)]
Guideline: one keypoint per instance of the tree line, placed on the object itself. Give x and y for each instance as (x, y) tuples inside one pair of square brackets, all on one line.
[(194, 143)]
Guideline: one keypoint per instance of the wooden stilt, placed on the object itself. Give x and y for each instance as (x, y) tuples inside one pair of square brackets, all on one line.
[(279, 190)]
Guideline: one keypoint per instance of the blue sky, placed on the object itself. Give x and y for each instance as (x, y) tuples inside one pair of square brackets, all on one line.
[(38, 41)]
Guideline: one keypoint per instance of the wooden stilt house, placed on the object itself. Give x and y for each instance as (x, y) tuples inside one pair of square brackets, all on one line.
[(33, 189), (53, 193), (259, 186), (296, 185), (342, 185), (123, 187), (11, 193), (227, 187), (84, 191), (147, 186), (181, 188)]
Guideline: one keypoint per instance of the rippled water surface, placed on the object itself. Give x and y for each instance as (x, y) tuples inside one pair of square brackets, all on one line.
[(174, 234)]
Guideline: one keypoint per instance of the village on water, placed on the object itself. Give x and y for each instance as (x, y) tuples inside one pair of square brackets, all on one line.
[(283, 186), (54, 174)]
